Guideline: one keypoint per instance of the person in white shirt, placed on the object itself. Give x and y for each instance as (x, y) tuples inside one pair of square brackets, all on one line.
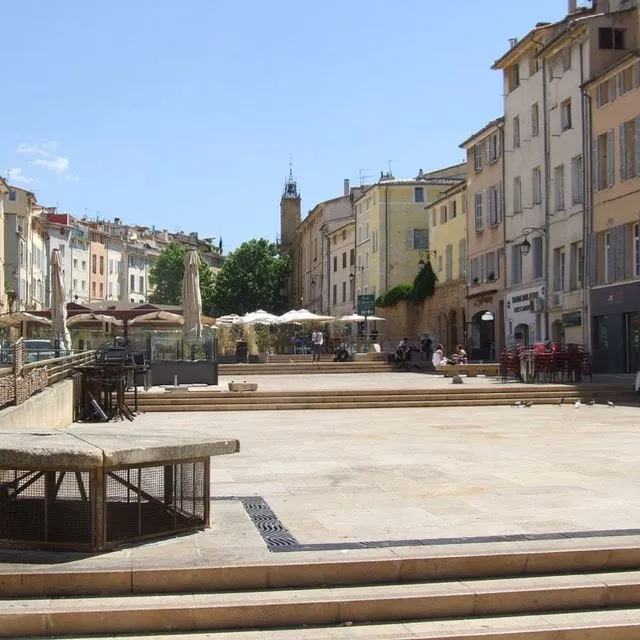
[(438, 356), (317, 340)]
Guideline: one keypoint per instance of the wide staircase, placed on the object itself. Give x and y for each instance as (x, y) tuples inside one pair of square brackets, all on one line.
[(571, 594), (210, 399)]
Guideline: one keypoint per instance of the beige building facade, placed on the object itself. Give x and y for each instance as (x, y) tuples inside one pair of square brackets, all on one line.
[(613, 268), (4, 191), (485, 311), (340, 274)]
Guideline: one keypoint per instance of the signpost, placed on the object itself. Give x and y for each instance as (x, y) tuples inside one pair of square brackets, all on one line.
[(366, 307)]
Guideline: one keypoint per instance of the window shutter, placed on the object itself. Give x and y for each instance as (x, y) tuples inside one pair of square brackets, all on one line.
[(409, 241), (596, 165), (623, 153), (499, 202), (620, 77), (612, 89), (638, 141), (636, 75), (610, 159), (592, 258), (483, 267)]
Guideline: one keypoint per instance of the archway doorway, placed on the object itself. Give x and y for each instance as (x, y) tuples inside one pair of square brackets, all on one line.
[(521, 334), (483, 332)]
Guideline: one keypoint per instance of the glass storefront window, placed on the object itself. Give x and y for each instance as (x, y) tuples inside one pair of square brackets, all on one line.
[(600, 339), (633, 341)]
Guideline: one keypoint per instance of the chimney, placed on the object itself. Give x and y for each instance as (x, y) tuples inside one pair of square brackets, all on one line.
[(346, 186), (573, 5)]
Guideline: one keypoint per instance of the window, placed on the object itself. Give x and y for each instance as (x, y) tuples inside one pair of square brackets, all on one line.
[(513, 77), (603, 161), (536, 185), (626, 81), (439, 263), (132, 283), (344, 259), (352, 257), (12, 196), (536, 257), (558, 184), (443, 214), (516, 264), (417, 239), (366, 230), (141, 282), (93, 289), (494, 215), (490, 266), (516, 132), (448, 259), (462, 258), (434, 217), (609, 38), (83, 286), (111, 289), (636, 249), (608, 258), (75, 263), (576, 265), (335, 263), (630, 149), (344, 292), (576, 180), (535, 120), (94, 264), (315, 249), (454, 209), (558, 269), (606, 92), (101, 265), (517, 195), (84, 265), (493, 147), (418, 194), (101, 290), (478, 210), (565, 115), (110, 266), (477, 156), (335, 294)]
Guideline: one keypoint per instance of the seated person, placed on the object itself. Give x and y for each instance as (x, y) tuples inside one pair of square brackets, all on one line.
[(459, 355), (439, 357), (402, 350)]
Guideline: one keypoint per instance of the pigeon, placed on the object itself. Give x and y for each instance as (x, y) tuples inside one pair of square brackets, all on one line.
[(528, 404), (560, 402), (577, 405), (518, 403), (610, 404), (591, 403)]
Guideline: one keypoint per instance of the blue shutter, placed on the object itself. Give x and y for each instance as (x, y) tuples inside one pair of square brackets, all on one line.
[(623, 153), (595, 165), (611, 175)]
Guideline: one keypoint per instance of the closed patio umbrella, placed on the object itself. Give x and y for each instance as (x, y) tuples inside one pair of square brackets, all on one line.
[(60, 336), (191, 298)]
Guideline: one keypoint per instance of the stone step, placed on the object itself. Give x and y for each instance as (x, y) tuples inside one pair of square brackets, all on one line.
[(622, 624), (175, 577), (276, 608)]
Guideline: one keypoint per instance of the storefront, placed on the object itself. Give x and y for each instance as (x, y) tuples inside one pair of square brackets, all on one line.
[(525, 324), (485, 329), (615, 326)]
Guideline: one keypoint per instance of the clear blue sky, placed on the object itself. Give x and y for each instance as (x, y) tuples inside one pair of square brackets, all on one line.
[(183, 115)]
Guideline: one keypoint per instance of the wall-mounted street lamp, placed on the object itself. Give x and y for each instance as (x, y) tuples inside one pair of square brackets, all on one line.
[(426, 253), (525, 245), (354, 269)]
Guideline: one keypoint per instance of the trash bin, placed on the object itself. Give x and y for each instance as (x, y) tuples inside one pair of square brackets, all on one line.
[(241, 351)]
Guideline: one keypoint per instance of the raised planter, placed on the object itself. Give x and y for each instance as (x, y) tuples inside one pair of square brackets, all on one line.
[(243, 386)]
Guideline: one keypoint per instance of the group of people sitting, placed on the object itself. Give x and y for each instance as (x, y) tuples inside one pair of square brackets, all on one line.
[(459, 356)]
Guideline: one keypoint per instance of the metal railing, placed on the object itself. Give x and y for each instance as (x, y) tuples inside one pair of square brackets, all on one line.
[(61, 368)]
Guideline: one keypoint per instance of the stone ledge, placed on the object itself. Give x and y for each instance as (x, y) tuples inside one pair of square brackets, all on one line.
[(243, 386)]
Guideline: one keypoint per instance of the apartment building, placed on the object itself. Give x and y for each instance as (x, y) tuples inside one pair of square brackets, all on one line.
[(80, 257), (98, 251), (340, 272), (392, 227), (58, 234), (485, 309), (4, 191), (447, 225), (613, 268)]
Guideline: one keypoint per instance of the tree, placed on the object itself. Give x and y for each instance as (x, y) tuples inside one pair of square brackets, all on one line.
[(167, 274), (252, 277)]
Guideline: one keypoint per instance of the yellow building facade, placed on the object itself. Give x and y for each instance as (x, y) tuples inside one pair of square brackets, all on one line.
[(447, 224)]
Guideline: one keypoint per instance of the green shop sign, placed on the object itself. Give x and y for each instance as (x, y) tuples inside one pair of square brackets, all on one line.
[(573, 319)]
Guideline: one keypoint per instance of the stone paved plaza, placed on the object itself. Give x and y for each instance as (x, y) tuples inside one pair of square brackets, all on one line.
[(336, 477)]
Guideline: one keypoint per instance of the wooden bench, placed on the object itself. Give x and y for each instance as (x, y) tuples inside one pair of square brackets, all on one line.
[(470, 370)]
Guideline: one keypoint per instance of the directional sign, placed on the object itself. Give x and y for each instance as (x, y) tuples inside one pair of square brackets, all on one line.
[(366, 305)]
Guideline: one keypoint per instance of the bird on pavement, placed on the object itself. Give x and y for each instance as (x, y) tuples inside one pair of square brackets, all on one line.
[(560, 402), (591, 403), (610, 404), (518, 403), (577, 405), (528, 404)]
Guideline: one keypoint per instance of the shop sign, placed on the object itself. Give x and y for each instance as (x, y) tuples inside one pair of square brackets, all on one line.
[(573, 319), (522, 302)]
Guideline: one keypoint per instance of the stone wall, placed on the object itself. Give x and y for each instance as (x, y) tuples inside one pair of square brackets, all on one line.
[(51, 408)]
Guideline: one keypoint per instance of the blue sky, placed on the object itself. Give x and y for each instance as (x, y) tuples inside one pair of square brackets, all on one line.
[(184, 115)]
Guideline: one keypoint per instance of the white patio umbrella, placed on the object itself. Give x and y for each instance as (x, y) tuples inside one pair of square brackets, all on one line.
[(303, 315), (157, 316), (191, 298), (59, 333), (93, 317), (229, 319), (260, 317), (354, 317), (18, 317)]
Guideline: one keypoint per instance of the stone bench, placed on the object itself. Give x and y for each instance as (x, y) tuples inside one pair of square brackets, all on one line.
[(91, 488), (470, 370)]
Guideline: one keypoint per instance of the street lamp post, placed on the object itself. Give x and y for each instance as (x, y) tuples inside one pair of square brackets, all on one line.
[(525, 248)]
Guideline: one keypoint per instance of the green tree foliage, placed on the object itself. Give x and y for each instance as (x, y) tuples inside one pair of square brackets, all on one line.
[(252, 277), (424, 286), (167, 273)]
